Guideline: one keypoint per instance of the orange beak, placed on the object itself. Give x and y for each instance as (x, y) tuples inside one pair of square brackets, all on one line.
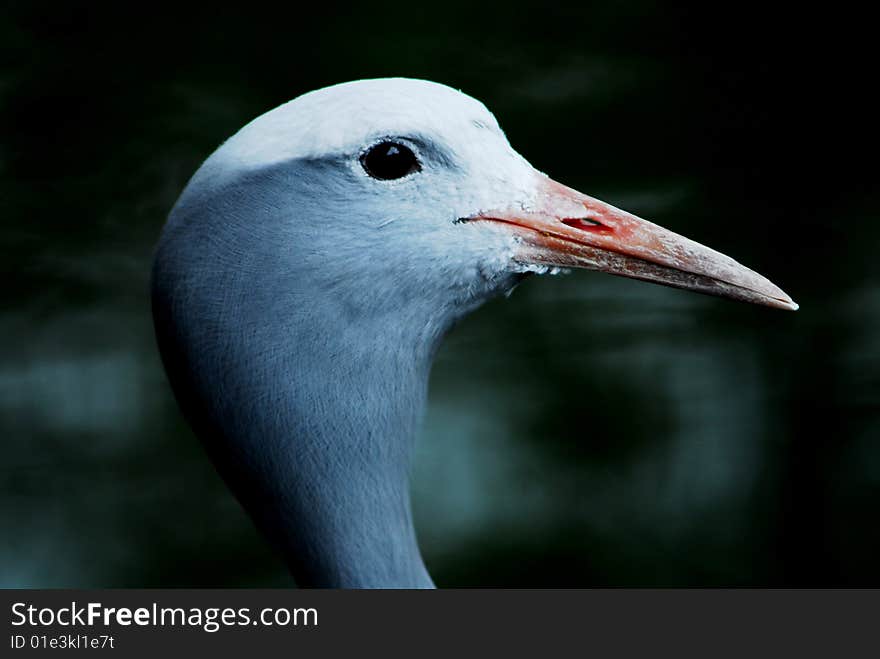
[(570, 229)]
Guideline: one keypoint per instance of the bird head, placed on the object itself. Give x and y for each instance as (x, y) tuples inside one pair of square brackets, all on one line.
[(412, 184)]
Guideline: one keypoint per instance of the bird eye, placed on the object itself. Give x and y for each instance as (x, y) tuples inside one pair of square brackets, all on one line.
[(389, 160)]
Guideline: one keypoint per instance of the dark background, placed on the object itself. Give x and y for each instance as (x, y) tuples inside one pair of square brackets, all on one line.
[(588, 431)]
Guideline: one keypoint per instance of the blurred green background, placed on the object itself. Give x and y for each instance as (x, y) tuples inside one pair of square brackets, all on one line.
[(589, 430)]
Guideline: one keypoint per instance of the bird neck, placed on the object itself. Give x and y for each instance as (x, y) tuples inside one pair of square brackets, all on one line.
[(318, 442), (344, 446)]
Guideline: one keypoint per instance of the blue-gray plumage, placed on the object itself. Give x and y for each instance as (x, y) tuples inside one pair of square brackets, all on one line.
[(311, 267)]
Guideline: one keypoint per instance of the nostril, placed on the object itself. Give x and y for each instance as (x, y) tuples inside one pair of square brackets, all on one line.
[(586, 223)]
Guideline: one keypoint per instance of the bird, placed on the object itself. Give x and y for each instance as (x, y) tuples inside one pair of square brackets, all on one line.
[(307, 274)]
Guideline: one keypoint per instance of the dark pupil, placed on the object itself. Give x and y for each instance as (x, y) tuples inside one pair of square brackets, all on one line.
[(389, 160)]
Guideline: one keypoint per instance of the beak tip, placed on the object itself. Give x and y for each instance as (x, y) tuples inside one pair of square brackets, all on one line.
[(786, 304), (775, 296)]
